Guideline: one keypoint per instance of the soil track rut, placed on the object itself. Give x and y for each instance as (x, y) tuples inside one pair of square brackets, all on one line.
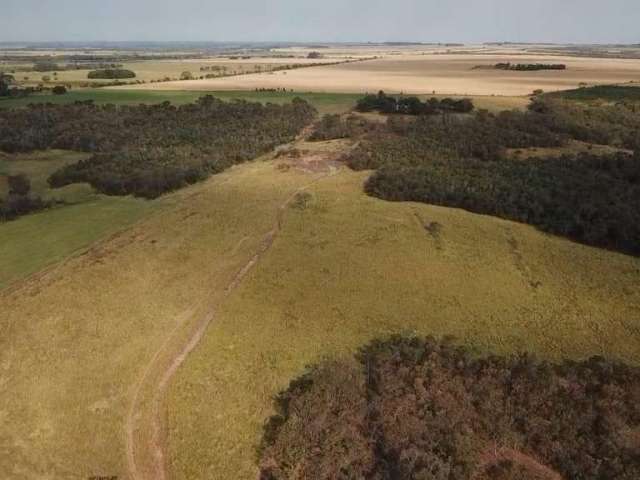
[(145, 440)]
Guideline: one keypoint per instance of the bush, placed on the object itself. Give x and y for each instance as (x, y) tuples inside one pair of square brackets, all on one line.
[(412, 408), (19, 202), (59, 90), (19, 184)]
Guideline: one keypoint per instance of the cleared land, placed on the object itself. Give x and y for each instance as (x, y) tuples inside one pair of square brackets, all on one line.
[(426, 73), (343, 268)]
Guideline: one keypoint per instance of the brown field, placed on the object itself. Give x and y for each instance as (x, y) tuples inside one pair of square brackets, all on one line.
[(429, 72)]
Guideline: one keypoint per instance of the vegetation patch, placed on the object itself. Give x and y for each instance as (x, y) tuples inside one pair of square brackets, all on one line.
[(465, 163), (150, 150), (111, 73), (19, 200), (616, 93), (420, 408), (529, 67), (384, 103)]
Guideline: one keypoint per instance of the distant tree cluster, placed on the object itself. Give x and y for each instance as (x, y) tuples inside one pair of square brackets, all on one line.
[(388, 104), (20, 201), (9, 89), (47, 67), (410, 408), (529, 67), (5, 81), (111, 74), (147, 150)]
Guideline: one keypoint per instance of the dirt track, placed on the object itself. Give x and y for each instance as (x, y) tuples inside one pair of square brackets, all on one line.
[(145, 444)]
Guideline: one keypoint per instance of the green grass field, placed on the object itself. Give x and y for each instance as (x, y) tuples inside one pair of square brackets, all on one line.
[(38, 240), (324, 102), (611, 93)]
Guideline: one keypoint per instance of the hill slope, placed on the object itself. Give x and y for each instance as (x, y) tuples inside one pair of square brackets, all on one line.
[(78, 343)]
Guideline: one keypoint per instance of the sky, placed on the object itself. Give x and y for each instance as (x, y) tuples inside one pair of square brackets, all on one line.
[(467, 21)]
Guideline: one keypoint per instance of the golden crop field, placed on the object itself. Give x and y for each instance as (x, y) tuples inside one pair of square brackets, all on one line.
[(429, 72)]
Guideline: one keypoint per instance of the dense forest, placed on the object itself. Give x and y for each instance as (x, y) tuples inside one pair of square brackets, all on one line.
[(465, 162), (409, 408), (388, 104), (147, 150)]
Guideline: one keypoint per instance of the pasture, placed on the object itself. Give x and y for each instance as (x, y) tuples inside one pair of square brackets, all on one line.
[(343, 268)]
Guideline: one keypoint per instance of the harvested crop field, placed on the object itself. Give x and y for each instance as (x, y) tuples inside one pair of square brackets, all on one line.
[(426, 73)]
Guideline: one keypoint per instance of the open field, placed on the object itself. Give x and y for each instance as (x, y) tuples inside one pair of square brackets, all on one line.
[(426, 73), (342, 268)]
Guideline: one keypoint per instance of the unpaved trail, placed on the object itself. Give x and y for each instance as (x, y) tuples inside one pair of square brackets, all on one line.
[(145, 441)]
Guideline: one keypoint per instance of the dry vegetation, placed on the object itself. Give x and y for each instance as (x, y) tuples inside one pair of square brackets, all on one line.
[(429, 72)]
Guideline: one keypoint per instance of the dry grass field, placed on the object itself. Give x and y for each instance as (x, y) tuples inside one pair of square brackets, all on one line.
[(75, 341), (154, 70), (428, 72)]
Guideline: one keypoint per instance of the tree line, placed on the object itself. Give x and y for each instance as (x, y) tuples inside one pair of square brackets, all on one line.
[(389, 104), (528, 67), (111, 74), (147, 150), (419, 408)]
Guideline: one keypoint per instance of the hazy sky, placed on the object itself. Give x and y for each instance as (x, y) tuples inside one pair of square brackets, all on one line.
[(585, 21)]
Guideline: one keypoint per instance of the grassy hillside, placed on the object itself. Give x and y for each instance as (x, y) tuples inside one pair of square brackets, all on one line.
[(344, 268), (347, 268)]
